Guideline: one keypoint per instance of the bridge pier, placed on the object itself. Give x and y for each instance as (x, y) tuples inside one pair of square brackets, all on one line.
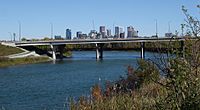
[(59, 49), (99, 51), (142, 53), (53, 52)]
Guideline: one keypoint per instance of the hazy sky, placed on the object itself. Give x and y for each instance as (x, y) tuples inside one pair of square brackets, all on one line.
[(37, 15)]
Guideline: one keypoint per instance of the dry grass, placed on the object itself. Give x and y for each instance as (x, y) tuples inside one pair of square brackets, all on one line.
[(7, 50)]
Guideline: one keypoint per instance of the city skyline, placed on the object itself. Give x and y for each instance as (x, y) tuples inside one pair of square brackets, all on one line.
[(36, 17), (104, 32)]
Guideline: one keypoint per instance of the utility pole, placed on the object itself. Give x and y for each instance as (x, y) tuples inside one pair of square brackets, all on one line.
[(52, 31), (156, 28), (14, 35), (19, 30), (114, 29)]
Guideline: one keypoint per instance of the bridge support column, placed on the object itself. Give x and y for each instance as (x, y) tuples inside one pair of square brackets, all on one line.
[(99, 51), (53, 52), (142, 53), (183, 49)]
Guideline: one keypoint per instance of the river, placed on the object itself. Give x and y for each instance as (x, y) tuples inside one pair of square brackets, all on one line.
[(49, 85)]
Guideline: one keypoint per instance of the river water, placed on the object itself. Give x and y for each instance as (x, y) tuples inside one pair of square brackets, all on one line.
[(49, 85)]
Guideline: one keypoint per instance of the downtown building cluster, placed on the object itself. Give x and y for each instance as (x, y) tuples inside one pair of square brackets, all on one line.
[(103, 33)]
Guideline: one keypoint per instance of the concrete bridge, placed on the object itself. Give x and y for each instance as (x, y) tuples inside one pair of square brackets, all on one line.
[(59, 44)]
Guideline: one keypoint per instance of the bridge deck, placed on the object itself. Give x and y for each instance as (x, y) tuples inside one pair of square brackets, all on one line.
[(95, 41)]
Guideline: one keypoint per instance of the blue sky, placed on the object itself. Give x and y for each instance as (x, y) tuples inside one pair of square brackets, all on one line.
[(37, 15)]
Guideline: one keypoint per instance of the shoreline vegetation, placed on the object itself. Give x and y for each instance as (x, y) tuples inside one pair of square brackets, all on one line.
[(7, 50), (166, 84), (151, 47), (6, 62)]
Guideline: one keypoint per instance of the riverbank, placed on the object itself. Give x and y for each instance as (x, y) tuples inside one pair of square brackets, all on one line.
[(5, 62), (7, 50)]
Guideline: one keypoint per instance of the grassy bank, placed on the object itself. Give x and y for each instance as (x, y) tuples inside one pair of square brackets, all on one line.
[(5, 62), (7, 50)]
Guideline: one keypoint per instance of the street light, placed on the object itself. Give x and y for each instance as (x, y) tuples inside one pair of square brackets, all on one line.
[(156, 27), (19, 30), (51, 30)]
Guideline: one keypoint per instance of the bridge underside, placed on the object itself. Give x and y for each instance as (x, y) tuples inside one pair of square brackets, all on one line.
[(56, 51)]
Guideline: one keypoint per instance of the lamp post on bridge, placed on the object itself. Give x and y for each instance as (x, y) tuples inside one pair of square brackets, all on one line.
[(156, 27), (51, 31), (19, 23)]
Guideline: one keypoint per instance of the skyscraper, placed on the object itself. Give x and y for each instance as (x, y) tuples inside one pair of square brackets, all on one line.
[(102, 31), (117, 32), (122, 35), (121, 30), (135, 33), (68, 34), (108, 32), (58, 37), (93, 34), (78, 34), (130, 30)]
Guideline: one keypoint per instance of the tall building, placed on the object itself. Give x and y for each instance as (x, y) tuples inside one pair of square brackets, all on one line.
[(14, 35), (135, 33), (68, 34), (102, 31), (130, 30), (117, 32), (168, 35), (122, 35), (78, 34), (58, 37), (121, 30), (99, 36), (108, 32), (93, 34), (84, 36)]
